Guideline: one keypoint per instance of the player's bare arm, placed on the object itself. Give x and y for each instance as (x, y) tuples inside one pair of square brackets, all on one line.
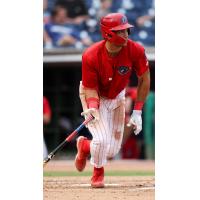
[(92, 103), (91, 93), (143, 86), (142, 92)]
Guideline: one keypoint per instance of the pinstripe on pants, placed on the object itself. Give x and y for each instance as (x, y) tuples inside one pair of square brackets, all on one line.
[(108, 131)]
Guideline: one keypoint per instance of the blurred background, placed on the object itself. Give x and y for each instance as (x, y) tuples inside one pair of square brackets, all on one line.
[(70, 26)]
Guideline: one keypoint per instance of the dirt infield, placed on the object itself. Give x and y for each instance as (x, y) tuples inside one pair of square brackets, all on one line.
[(116, 187)]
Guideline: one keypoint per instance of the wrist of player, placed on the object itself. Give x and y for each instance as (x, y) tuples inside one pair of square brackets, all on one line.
[(138, 105), (92, 102), (93, 108), (137, 111)]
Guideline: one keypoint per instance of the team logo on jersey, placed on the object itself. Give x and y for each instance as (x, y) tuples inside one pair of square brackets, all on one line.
[(123, 70)]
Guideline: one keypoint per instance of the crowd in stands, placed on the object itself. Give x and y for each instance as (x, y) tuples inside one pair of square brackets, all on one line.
[(75, 23)]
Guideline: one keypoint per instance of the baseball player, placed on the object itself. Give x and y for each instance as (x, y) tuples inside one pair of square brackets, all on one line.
[(106, 69)]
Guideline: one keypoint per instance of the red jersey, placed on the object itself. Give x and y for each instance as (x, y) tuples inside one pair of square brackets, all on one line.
[(110, 75)]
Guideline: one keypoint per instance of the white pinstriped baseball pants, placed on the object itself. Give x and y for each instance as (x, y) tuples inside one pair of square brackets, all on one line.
[(107, 132)]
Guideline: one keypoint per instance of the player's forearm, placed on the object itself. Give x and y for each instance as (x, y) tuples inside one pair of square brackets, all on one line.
[(143, 87), (91, 93), (142, 92)]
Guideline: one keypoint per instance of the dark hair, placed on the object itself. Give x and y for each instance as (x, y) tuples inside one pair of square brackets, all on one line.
[(56, 9)]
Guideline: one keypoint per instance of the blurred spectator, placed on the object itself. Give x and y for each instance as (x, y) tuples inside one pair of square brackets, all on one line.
[(46, 13), (76, 10), (131, 8), (96, 10), (88, 4), (46, 18), (141, 14), (46, 111), (145, 24), (62, 33), (82, 21), (46, 121), (51, 5), (148, 14), (47, 40), (104, 8)]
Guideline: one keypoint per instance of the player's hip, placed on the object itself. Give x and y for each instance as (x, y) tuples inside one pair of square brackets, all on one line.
[(111, 104)]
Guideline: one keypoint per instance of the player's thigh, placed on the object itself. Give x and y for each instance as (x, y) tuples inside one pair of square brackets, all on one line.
[(116, 130), (100, 129)]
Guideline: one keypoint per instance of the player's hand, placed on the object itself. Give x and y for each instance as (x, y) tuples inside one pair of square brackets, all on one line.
[(91, 111), (136, 121)]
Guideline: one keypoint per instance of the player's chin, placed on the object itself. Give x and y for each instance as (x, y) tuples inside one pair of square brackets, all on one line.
[(125, 43)]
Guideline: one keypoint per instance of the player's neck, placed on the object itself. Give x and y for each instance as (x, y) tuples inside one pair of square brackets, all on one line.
[(112, 49)]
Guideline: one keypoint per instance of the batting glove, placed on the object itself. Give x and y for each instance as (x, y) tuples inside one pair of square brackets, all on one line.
[(136, 121), (91, 111)]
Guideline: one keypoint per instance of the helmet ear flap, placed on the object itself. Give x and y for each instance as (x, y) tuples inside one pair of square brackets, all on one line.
[(109, 34)]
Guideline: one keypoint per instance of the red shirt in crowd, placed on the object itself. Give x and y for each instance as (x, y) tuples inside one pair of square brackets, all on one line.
[(110, 75), (46, 107)]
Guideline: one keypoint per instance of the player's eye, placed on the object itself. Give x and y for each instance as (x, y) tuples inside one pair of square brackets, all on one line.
[(122, 31)]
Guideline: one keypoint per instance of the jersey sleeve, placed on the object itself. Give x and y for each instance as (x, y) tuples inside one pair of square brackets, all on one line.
[(89, 73), (141, 64)]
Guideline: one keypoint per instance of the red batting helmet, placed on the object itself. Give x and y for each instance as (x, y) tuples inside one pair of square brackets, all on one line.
[(114, 22)]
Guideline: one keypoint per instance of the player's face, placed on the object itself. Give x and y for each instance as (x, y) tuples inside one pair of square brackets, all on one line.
[(124, 34)]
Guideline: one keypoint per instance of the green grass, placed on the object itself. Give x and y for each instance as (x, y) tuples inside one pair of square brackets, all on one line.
[(89, 173)]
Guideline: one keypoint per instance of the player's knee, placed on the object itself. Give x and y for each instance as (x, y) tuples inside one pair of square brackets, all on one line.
[(112, 152), (101, 143), (98, 147)]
